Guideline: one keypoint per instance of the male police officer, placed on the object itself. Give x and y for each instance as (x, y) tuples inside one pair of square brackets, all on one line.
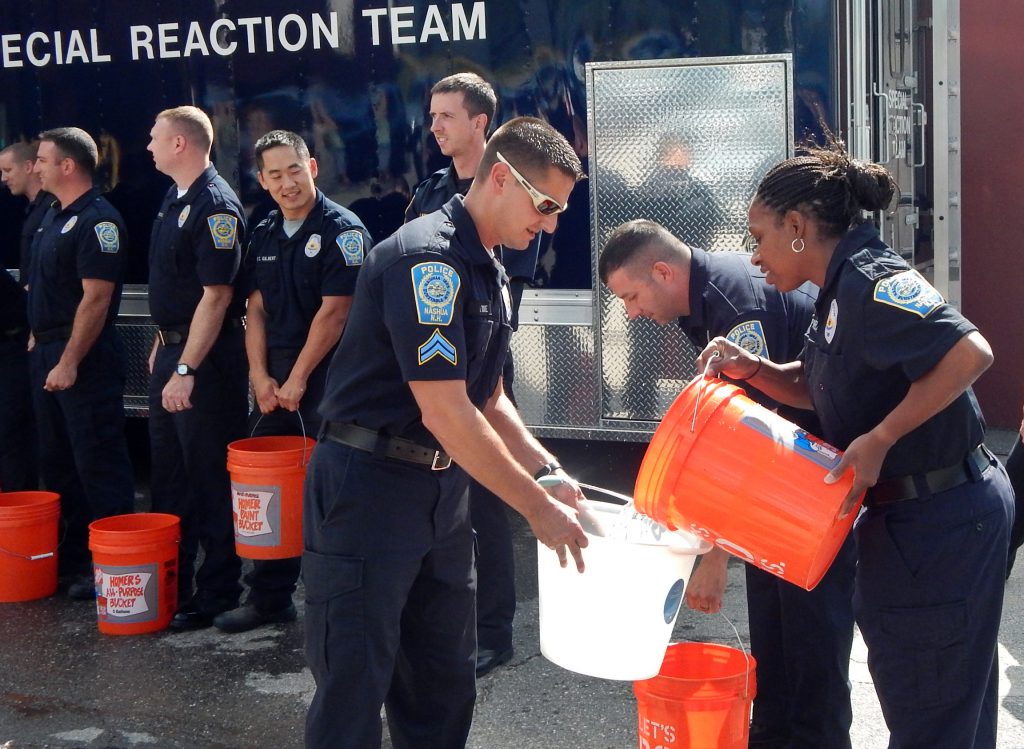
[(77, 363), (388, 565), (17, 167), (18, 465), (299, 272), (801, 640), (462, 108), (198, 393)]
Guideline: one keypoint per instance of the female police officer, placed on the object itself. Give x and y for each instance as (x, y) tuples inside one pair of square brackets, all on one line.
[(887, 367)]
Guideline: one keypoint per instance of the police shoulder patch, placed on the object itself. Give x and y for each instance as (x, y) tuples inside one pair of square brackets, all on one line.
[(908, 291), (435, 286), (223, 229), (437, 345), (750, 337), (108, 236), (351, 245)]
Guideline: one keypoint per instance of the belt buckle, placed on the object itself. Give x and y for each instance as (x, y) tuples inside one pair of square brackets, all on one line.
[(437, 464)]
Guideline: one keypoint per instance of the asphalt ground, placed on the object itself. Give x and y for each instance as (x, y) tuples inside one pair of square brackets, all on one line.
[(65, 685)]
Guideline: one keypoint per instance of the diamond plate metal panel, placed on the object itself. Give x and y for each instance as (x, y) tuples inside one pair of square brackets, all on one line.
[(556, 375), (684, 143), (138, 341)]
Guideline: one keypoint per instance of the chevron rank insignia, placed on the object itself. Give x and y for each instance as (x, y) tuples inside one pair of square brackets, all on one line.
[(909, 291), (351, 245), (107, 234), (223, 227), (438, 345)]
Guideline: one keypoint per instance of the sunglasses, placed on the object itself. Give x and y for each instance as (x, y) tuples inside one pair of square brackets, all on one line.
[(545, 204)]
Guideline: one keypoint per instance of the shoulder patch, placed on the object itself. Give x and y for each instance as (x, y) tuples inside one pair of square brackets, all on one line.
[(183, 216), (69, 225), (750, 336), (223, 228), (437, 345), (312, 248), (351, 245), (435, 286), (108, 236), (909, 291)]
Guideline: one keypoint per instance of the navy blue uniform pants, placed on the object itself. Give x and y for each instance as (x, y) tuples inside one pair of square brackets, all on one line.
[(272, 581), (801, 641), (19, 467), (83, 451), (390, 592), (189, 464), (928, 599)]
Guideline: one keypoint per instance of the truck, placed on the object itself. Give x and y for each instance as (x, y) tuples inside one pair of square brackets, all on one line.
[(651, 94)]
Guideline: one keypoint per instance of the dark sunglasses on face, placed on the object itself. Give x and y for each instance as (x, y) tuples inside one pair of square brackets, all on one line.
[(545, 204)]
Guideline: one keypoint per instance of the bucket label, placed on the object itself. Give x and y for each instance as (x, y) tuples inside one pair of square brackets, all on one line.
[(777, 568), (257, 514), (797, 440), (129, 595), (655, 734)]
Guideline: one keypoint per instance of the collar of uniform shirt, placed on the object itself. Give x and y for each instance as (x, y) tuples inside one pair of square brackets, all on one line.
[(860, 236)]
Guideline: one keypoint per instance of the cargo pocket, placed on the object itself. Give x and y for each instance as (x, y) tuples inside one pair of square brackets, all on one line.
[(923, 655), (335, 622)]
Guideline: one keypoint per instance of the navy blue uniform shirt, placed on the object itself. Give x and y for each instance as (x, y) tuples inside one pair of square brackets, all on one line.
[(13, 314), (439, 188), (431, 303), (293, 274), (84, 240), (35, 212), (729, 297), (878, 327), (196, 242)]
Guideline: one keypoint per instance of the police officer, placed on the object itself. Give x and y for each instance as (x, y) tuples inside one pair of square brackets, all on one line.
[(414, 386), (76, 360), (18, 465), (800, 639), (462, 108), (17, 167), (198, 389), (299, 272), (888, 367)]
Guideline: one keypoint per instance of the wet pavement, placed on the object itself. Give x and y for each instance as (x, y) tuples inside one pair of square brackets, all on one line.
[(65, 685)]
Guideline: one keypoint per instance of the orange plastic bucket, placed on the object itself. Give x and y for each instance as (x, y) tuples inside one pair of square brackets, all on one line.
[(748, 480), (267, 474), (700, 699), (28, 545), (135, 562)]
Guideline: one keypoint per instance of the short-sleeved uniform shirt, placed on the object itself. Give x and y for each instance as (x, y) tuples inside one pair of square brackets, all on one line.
[(35, 211), (729, 297), (197, 241), (431, 303), (878, 327), (85, 240), (293, 274)]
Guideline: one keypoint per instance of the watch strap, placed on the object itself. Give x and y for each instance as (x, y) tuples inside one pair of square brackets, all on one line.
[(546, 470)]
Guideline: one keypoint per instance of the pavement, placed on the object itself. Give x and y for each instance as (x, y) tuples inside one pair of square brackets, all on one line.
[(65, 685)]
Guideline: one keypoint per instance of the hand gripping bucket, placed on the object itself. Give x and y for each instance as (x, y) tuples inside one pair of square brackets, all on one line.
[(700, 699), (267, 474), (28, 545), (735, 473), (614, 620), (135, 561)]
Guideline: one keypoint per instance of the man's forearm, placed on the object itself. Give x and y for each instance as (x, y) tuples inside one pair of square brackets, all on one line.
[(207, 321), (90, 317)]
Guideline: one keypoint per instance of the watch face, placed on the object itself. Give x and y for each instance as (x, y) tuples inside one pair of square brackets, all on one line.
[(183, 370)]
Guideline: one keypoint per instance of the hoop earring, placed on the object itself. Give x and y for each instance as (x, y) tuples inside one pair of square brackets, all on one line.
[(792, 245)]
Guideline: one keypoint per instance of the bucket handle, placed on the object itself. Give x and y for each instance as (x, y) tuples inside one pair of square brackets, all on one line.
[(30, 558), (607, 492), (302, 426), (700, 388), (746, 655)]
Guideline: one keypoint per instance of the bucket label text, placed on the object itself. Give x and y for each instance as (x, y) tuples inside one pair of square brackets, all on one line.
[(257, 514), (127, 594)]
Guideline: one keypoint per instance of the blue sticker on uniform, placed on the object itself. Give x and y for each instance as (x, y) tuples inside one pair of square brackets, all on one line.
[(909, 291), (69, 225), (351, 244), (435, 286), (750, 337), (183, 215), (223, 227), (107, 234), (437, 345)]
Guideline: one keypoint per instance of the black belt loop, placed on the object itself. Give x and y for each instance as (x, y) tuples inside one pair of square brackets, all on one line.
[(380, 447)]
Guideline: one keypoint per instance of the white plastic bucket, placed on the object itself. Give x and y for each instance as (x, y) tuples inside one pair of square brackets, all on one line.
[(615, 620)]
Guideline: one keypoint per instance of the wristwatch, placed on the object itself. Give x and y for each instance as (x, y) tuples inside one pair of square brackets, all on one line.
[(546, 470), (184, 369)]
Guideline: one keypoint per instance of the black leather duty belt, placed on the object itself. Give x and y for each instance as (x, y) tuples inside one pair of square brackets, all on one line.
[(396, 448), (172, 336), (53, 334), (903, 488)]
